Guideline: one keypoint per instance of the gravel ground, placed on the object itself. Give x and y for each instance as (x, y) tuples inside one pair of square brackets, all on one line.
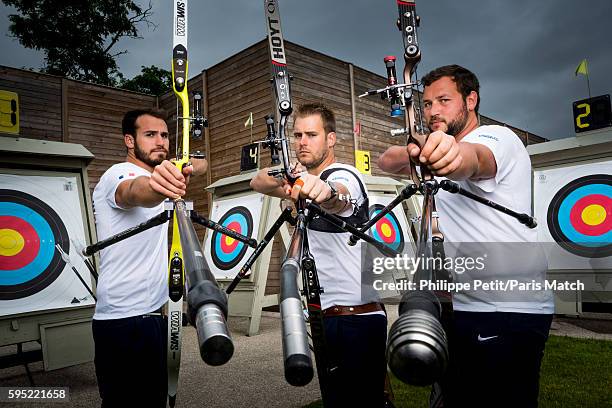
[(254, 376)]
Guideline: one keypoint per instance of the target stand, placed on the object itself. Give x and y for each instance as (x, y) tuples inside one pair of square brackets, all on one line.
[(45, 215), (237, 207), (573, 202)]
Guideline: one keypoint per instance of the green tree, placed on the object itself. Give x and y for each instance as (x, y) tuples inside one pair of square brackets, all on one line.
[(152, 80), (78, 37)]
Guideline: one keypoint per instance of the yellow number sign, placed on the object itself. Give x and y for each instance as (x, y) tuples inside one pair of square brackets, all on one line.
[(9, 112), (580, 117), (592, 114), (362, 161)]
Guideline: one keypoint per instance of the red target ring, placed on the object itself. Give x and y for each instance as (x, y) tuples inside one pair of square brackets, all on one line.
[(229, 244), (589, 214), (227, 252), (30, 238), (386, 231)]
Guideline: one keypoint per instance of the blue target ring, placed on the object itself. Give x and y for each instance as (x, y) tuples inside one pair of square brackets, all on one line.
[(226, 252), (565, 209), (48, 230), (570, 220), (45, 237), (223, 254)]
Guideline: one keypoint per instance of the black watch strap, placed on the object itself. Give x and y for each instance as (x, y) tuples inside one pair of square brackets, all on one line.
[(334, 190)]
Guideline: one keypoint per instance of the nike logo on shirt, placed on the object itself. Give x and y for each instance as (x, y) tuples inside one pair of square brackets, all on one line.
[(480, 338)]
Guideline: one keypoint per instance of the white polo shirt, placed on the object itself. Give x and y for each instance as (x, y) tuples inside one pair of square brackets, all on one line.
[(464, 220), (133, 272), (339, 264)]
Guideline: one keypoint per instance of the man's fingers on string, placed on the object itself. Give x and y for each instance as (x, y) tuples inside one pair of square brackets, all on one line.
[(168, 182), (169, 174), (187, 170), (174, 171), (164, 191), (448, 158), (296, 188), (450, 167), (413, 150), (299, 183), (438, 152), (433, 142), (426, 153), (314, 188), (441, 157), (455, 164), (322, 196)]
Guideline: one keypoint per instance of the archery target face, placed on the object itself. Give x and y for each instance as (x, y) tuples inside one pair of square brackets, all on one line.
[(36, 213), (576, 204), (226, 255), (387, 230), (227, 252), (29, 231), (580, 216), (393, 230)]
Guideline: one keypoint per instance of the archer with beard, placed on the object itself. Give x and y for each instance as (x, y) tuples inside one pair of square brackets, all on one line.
[(496, 346), (128, 328)]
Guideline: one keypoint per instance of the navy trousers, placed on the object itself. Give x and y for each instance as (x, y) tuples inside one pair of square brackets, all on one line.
[(130, 360), (357, 349), (495, 359)]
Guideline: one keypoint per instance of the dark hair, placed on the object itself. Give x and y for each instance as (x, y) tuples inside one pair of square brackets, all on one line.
[(327, 116), (465, 80), (128, 125)]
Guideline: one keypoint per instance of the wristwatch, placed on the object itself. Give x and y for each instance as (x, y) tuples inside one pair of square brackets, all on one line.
[(334, 190)]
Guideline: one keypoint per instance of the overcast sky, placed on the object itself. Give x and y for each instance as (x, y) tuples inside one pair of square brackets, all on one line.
[(524, 52)]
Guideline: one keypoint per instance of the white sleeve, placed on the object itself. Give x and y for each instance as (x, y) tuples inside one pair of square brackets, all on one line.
[(348, 180), (113, 178), (504, 145)]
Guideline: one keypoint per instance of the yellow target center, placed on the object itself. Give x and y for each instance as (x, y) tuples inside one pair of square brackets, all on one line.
[(593, 214), (229, 241), (386, 230), (11, 242)]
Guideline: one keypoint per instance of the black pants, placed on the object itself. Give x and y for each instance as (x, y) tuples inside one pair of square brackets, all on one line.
[(130, 359), (357, 347), (495, 359)]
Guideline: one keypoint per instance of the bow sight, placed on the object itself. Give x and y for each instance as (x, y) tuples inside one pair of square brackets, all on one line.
[(198, 122), (394, 93)]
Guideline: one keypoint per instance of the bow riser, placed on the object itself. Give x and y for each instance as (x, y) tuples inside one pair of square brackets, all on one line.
[(408, 23), (179, 76)]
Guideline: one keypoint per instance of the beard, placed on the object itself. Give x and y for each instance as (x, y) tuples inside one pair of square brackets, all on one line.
[(455, 126), (146, 158), (315, 162)]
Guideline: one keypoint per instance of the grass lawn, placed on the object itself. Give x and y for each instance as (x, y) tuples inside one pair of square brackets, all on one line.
[(575, 373)]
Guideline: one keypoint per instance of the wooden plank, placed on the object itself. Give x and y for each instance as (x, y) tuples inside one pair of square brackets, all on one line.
[(239, 62), (251, 99), (35, 92), (243, 84), (299, 54), (65, 116)]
